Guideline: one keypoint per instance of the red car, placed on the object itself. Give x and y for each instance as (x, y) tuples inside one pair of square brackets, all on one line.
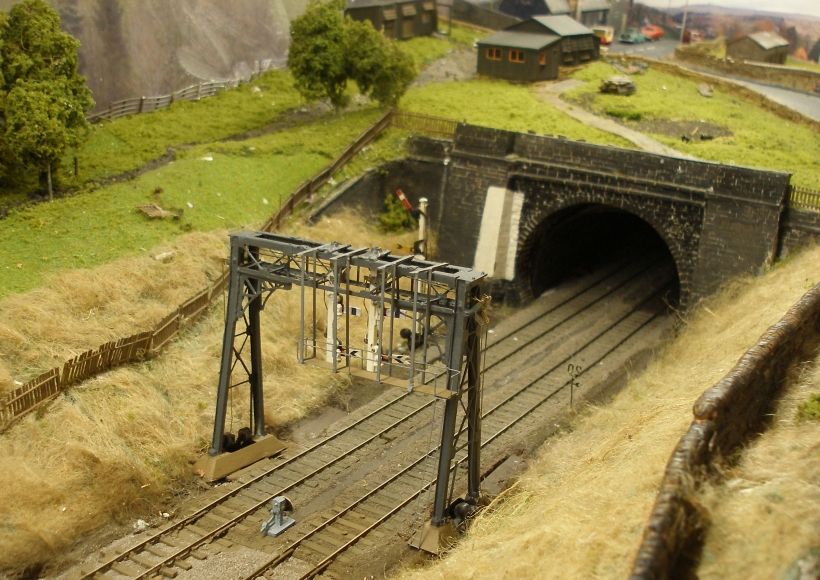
[(652, 32)]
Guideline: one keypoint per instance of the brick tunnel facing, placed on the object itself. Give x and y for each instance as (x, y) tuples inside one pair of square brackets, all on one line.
[(583, 238)]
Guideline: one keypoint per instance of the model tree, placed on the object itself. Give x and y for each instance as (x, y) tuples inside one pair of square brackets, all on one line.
[(327, 51), (43, 99)]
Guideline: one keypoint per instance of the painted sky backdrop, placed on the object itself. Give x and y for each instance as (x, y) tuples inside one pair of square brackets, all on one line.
[(809, 7)]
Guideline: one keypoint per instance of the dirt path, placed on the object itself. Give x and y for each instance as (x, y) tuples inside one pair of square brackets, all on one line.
[(550, 94)]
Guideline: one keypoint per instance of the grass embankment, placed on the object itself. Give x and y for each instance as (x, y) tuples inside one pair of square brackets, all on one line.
[(804, 64), (120, 446), (580, 509), (501, 105), (770, 500), (217, 186), (757, 138), (426, 49)]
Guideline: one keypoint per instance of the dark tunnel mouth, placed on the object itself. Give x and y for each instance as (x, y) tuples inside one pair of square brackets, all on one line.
[(579, 240)]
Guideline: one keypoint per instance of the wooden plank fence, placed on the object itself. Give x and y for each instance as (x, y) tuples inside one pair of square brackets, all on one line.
[(425, 124), (139, 105), (804, 198)]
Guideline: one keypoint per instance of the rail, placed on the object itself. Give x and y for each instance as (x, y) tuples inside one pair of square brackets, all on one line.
[(801, 198)]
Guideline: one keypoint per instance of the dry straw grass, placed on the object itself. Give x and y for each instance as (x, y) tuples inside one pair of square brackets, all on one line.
[(81, 309), (771, 500), (120, 445), (580, 509)]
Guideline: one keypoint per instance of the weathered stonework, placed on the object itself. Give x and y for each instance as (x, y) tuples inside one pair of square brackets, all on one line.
[(717, 221)]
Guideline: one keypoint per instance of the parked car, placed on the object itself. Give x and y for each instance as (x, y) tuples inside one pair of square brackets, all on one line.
[(652, 32), (632, 36), (605, 34)]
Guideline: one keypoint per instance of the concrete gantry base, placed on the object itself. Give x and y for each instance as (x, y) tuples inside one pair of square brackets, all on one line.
[(214, 468), (436, 539)]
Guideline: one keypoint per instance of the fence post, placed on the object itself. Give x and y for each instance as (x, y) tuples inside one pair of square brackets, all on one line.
[(110, 111), (142, 102), (199, 92), (171, 102)]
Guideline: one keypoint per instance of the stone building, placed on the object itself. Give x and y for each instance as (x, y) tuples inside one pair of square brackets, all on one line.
[(578, 43), (397, 19), (765, 47), (519, 56)]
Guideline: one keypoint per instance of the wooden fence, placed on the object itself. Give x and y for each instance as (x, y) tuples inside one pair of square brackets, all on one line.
[(47, 386), (425, 124), (804, 198), (150, 104)]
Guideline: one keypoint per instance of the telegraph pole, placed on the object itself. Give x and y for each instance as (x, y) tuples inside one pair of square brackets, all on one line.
[(683, 24)]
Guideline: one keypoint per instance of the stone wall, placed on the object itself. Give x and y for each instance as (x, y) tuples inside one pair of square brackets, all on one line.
[(797, 228), (718, 221), (793, 78), (726, 417)]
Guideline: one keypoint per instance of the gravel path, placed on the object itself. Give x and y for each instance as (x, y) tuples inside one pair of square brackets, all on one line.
[(549, 93)]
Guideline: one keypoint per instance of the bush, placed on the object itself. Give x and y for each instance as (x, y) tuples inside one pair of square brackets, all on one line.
[(395, 217), (810, 410)]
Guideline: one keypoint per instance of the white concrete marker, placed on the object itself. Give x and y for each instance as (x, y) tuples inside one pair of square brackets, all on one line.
[(512, 244), (490, 229)]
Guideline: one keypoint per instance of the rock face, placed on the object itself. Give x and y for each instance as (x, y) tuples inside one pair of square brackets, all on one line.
[(152, 47)]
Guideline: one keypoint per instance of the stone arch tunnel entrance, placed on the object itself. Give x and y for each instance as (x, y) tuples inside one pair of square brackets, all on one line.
[(583, 238)]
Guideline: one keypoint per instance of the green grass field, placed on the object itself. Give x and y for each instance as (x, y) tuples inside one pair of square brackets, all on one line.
[(227, 185), (759, 138), (804, 64), (501, 105)]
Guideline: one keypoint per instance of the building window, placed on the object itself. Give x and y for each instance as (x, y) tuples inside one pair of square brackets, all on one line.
[(494, 53), (425, 18), (516, 56), (542, 58)]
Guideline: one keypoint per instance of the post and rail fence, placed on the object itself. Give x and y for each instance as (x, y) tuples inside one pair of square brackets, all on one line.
[(197, 92), (802, 198), (49, 385)]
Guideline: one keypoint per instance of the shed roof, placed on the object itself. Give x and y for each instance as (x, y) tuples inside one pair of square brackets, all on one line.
[(560, 25), (529, 40), (557, 6), (768, 40), (594, 5), (368, 3)]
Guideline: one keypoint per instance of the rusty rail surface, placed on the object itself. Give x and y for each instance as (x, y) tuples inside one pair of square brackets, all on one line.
[(802, 198), (725, 417)]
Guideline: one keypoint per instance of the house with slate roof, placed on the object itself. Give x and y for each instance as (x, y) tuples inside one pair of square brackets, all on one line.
[(397, 19), (524, 9), (578, 43), (594, 12), (760, 47), (519, 56)]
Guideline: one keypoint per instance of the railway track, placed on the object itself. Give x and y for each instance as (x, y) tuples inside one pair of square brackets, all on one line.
[(173, 548)]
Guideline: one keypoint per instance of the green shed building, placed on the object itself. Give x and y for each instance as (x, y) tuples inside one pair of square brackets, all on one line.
[(398, 20), (519, 56), (578, 43)]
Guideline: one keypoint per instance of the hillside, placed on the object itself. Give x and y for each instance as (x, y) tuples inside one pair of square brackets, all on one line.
[(153, 47), (580, 509)]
